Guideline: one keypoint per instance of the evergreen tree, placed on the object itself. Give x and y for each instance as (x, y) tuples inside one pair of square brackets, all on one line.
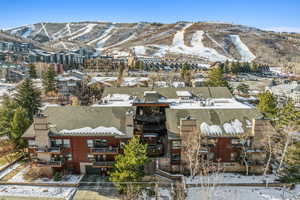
[(19, 124), (49, 81), (28, 98), (216, 79), (32, 71), (129, 167), (291, 173), (186, 74), (243, 88), (7, 111), (287, 114), (267, 104)]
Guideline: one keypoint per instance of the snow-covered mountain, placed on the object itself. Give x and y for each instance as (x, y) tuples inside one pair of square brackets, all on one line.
[(202, 40)]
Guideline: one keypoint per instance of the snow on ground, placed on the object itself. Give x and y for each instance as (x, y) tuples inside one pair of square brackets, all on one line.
[(245, 53), (103, 37), (67, 179), (242, 193), (8, 170), (131, 37), (231, 178), (83, 31), (37, 191), (197, 47), (139, 50), (5, 88)]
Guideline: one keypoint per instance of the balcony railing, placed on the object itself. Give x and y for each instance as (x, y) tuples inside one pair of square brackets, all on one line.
[(51, 163), (54, 150), (151, 118), (155, 150), (107, 164), (106, 150)]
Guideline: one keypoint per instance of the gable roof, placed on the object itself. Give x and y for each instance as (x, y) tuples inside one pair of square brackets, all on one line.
[(65, 118), (211, 117)]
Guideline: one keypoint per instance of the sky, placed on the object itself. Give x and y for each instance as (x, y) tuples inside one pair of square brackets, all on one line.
[(278, 15)]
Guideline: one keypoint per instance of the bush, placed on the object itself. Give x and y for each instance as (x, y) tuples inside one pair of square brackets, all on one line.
[(57, 176)]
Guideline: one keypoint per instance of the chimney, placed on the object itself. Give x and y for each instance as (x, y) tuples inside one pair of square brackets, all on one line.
[(129, 122), (41, 130), (187, 125)]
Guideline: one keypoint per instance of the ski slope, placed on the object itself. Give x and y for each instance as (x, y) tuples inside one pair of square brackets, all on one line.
[(245, 53)]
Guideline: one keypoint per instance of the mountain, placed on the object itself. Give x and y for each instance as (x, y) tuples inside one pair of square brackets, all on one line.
[(204, 41)]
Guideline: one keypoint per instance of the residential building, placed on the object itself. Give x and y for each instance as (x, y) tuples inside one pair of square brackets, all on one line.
[(162, 118)]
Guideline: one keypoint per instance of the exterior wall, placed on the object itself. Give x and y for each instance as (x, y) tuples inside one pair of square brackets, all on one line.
[(41, 130), (80, 150)]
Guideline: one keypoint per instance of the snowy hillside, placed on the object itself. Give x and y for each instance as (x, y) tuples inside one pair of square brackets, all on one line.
[(205, 41)]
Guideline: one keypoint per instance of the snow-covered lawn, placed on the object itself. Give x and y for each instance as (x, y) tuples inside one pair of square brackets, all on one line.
[(8, 170), (67, 179), (231, 178), (35, 191), (242, 193)]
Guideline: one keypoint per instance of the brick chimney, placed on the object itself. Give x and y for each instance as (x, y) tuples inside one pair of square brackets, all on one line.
[(41, 130), (187, 125)]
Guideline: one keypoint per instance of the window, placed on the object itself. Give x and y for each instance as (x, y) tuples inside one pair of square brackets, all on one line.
[(58, 142), (90, 157), (210, 156), (90, 143), (69, 156), (101, 143), (233, 156), (31, 143), (235, 141), (176, 144), (67, 143), (175, 157)]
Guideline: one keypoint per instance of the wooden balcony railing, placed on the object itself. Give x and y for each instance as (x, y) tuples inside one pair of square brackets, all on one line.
[(51, 163), (54, 150), (107, 164), (106, 150)]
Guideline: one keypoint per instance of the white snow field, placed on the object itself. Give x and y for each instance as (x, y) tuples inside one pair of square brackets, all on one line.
[(245, 53), (197, 48), (242, 193), (231, 178), (8, 170), (104, 36), (88, 28), (37, 191)]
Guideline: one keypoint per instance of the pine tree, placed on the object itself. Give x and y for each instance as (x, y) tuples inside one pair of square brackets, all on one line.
[(7, 111), (216, 79), (32, 71), (291, 173), (28, 98), (243, 88), (186, 75), (129, 167), (49, 81), (267, 104), (287, 114), (19, 124)]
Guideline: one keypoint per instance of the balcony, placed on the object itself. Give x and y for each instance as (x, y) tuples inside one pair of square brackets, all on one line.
[(155, 149), (52, 150), (105, 150), (151, 118), (51, 163), (106, 164)]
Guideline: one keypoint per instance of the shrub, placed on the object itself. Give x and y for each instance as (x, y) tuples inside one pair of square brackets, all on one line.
[(57, 176)]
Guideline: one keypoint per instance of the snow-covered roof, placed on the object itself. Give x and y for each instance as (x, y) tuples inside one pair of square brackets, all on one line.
[(230, 128), (184, 93), (97, 130)]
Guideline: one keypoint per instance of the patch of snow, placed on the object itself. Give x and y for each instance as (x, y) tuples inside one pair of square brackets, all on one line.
[(241, 193), (103, 37), (197, 48), (37, 191), (245, 53), (89, 130), (183, 94), (8, 170), (235, 127), (85, 30), (140, 50)]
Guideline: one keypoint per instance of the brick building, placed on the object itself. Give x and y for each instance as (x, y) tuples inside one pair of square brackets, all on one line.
[(86, 139)]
